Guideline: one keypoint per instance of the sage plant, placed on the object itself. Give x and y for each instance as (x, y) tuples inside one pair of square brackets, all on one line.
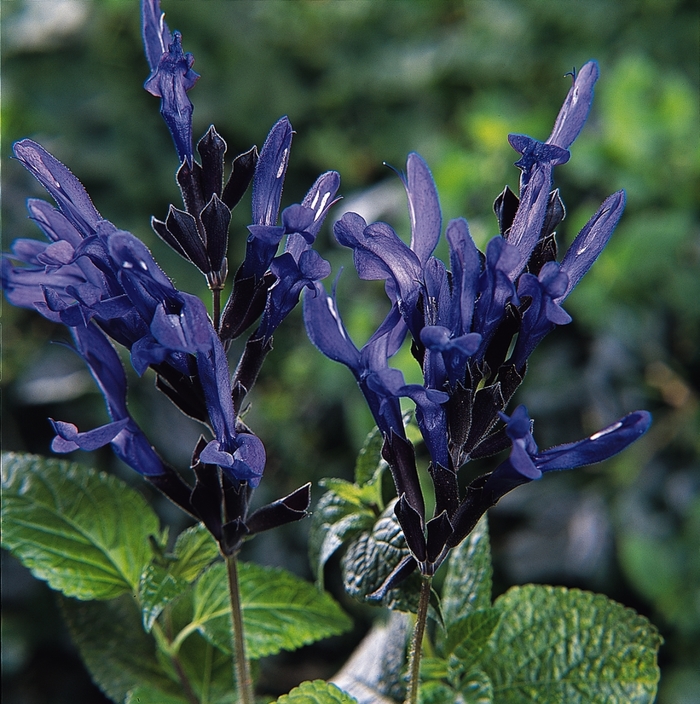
[(103, 283), (472, 329)]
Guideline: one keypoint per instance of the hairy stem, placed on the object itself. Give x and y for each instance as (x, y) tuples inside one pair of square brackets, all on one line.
[(244, 682), (417, 641)]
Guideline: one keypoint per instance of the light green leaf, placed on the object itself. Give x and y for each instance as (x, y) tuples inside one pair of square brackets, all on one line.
[(157, 588), (83, 532), (468, 581), (316, 692), (467, 639), (195, 549), (113, 646), (280, 611), (334, 521), (559, 645)]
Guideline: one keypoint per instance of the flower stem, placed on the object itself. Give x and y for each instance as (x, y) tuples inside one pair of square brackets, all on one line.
[(216, 307), (417, 641), (244, 681)]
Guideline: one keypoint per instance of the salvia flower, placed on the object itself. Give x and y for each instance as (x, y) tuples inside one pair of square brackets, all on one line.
[(102, 283), (473, 329)]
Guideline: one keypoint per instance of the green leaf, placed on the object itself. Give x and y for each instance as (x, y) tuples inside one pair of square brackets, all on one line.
[(476, 688), (467, 638), (113, 646), (370, 464), (280, 611), (208, 670), (195, 549), (554, 644), (438, 693), (83, 532), (157, 588), (370, 559), (334, 521), (316, 692), (149, 695), (468, 581)]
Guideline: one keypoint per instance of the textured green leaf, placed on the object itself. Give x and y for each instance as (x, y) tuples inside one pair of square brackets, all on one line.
[(316, 692), (468, 581), (195, 549), (468, 637), (113, 646), (280, 611), (476, 688), (372, 556), (559, 645), (83, 532), (334, 521), (157, 588), (438, 693)]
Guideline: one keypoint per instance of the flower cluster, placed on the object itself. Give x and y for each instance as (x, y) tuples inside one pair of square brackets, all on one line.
[(473, 328), (102, 283)]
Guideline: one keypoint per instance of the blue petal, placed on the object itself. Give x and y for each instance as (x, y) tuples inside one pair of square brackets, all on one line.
[(589, 243), (269, 173), (598, 447), (65, 189), (423, 207), (574, 111), (170, 81), (155, 32)]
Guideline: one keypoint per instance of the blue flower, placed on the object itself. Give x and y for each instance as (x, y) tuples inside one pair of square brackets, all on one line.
[(473, 329), (91, 276), (171, 76)]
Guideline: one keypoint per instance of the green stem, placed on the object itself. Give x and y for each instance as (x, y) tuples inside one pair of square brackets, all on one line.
[(244, 681), (417, 641), (166, 647)]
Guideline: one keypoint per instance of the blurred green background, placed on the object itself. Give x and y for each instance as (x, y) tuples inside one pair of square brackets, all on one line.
[(366, 82)]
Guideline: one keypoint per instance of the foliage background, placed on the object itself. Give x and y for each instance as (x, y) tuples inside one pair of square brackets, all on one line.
[(365, 82)]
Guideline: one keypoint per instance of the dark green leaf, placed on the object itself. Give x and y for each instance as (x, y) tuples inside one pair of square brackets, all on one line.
[(83, 532), (476, 688), (113, 646), (369, 462), (158, 587), (468, 582), (438, 693), (280, 611), (559, 645), (334, 521), (370, 559), (149, 695), (316, 692)]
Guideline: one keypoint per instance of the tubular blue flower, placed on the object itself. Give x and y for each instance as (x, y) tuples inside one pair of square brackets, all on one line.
[(171, 76), (326, 331), (92, 274), (527, 462), (127, 440), (473, 330)]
